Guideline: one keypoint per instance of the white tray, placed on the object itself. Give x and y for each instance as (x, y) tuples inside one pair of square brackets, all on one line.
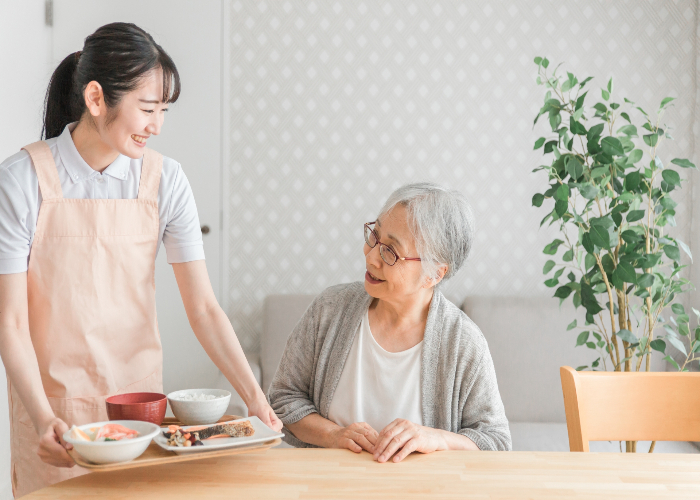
[(262, 433)]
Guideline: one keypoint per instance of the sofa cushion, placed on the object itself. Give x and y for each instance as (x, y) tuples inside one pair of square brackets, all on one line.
[(529, 342), (281, 313)]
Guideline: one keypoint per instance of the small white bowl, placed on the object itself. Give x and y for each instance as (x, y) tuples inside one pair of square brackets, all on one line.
[(110, 452), (199, 412)]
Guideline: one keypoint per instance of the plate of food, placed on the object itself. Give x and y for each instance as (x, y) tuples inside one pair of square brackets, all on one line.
[(220, 436), (112, 441)]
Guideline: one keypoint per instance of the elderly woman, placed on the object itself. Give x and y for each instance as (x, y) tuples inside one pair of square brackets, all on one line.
[(390, 365)]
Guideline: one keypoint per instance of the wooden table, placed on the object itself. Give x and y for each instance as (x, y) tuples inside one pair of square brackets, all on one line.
[(321, 474)]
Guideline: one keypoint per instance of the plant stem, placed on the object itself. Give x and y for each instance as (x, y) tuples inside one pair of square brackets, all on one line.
[(612, 312)]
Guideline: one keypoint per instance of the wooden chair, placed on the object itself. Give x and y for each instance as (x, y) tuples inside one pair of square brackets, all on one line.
[(638, 406)]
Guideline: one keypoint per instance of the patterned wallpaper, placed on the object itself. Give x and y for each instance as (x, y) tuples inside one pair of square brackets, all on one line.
[(333, 104)]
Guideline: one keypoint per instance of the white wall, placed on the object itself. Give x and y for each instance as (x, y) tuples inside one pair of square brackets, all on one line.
[(25, 53), (335, 104)]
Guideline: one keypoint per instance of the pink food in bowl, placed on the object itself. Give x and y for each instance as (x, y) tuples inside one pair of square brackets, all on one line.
[(144, 406)]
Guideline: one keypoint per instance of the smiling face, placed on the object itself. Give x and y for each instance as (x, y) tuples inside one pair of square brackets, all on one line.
[(138, 116), (404, 278)]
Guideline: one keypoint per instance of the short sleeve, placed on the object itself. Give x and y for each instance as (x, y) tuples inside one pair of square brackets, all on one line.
[(182, 237), (15, 235)]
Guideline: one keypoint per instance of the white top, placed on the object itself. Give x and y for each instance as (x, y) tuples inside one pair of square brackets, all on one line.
[(20, 200), (377, 386)]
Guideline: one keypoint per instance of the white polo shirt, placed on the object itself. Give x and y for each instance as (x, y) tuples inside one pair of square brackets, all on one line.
[(20, 200)]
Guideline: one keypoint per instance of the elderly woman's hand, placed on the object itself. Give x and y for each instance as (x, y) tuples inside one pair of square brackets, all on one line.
[(407, 437), (355, 437)]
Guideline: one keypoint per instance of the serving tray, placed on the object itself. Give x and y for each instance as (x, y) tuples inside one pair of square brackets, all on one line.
[(155, 455)]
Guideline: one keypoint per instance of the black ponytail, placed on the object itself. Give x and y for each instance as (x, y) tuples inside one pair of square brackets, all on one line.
[(117, 56)]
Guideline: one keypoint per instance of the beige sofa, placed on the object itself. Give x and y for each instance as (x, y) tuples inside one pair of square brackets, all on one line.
[(528, 341)]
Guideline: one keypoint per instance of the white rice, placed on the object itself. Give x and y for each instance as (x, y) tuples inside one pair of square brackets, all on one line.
[(196, 397)]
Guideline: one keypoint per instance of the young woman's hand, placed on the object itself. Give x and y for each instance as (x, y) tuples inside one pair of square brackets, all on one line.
[(52, 448), (405, 437), (355, 437), (261, 409)]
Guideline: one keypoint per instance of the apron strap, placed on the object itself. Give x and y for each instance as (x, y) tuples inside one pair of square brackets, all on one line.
[(151, 169), (46, 171)]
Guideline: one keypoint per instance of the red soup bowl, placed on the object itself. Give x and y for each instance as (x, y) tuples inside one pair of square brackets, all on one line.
[(144, 406)]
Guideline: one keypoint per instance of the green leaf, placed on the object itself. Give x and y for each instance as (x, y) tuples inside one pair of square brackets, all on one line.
[(568, 255), (625, 272), (539, 142), (545, 62), (605, 94), (582, 338), (549, 146), (562, 192), (634, 156), (628, 130), (610, 85), (588, 299), (632, 181), (677, 343), (588, 191), (627, 336), (599, 172), (612, 146), (635, 215), (645, 280), (673, 362), (672, 253), (574, 167), (658, 345), (650, 139), (685, 248), (560, 207), (678, 308), (576, 127), (538, 60), (548, 266), (600, 236), (671, 177), (572, 325), (552, 282), (630, 236), (563, 292), (537, 200), (552, 248), (683, 163), (665, 101)]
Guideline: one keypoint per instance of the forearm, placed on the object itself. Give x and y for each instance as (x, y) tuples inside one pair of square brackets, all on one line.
[(453, 441), (22, 370), (314, 429), (214, 331)]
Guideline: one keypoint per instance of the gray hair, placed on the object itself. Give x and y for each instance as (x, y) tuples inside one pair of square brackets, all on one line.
[(441, 222)]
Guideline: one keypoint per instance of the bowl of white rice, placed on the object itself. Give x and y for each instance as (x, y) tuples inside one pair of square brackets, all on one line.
[(199, 406)]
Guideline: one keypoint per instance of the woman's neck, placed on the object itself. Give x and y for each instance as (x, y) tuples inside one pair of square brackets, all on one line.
[(92, 148), (398, 325)]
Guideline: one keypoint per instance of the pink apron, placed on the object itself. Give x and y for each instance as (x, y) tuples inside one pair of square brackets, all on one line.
[(92, 309)]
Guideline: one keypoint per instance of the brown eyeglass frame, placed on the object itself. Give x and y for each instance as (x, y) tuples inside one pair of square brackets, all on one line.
[(384, 246)]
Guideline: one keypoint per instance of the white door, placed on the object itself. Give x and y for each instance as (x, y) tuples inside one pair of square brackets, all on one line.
[(191, 32)]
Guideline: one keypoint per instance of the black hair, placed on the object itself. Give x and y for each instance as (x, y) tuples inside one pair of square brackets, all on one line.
[(117, 56)]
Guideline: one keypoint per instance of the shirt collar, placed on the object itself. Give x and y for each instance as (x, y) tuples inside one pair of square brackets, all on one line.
[(77, 168)]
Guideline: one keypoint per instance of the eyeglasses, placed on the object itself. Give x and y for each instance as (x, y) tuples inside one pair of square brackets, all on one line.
[(386, 252)]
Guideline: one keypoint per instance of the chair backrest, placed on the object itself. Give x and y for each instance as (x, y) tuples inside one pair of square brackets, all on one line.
[(637, 406), (281, 313)]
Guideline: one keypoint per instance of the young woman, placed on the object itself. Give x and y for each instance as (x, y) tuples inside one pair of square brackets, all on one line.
[(82, 215)]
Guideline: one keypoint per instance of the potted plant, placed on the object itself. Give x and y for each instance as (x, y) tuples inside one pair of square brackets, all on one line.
[(611, 196)]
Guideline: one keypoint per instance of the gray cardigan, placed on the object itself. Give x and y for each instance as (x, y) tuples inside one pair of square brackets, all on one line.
[(458, 382)]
